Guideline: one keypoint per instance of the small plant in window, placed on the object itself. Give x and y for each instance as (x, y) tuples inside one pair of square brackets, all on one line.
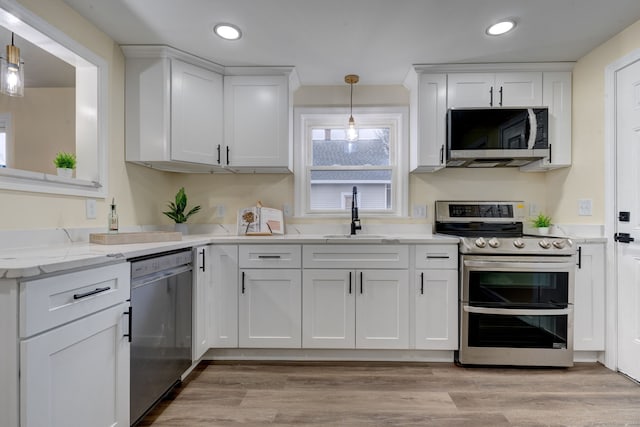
[(65, 160)]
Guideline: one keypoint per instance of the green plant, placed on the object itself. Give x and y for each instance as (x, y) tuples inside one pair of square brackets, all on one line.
[(541, 221), (177, 208), (65, 160)]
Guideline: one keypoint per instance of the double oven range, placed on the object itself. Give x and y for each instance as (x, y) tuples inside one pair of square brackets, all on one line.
[(515, 291)]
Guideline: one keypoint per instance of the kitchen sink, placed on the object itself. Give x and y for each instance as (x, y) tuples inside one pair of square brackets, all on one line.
[(356, 236)]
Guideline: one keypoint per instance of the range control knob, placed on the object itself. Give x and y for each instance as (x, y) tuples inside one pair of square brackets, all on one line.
[(494, 243), (558, 244), (518, 243), (544, 244), (480, 242)]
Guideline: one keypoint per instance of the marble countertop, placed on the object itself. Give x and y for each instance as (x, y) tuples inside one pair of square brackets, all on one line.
[(16, 263)]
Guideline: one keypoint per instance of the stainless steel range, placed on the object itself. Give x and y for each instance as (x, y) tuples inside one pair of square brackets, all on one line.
[(516, 291)]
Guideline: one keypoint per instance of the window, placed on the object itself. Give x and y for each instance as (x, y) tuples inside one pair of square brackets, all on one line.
[(328, 166)]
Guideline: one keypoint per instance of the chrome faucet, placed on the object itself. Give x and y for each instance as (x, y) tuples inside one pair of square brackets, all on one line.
[(354, 212)]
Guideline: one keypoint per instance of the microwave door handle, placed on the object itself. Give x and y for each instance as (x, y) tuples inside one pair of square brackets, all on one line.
[(517, 312), (533, 128), (531, 266)]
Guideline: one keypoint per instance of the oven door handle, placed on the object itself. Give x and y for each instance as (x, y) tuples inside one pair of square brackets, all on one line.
[(517, 312), (515, 265)]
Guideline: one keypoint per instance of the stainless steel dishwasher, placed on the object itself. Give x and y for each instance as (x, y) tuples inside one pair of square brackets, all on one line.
[(161, 305)]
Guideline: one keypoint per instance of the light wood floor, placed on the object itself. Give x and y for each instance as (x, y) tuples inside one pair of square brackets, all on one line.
[(369, 394)]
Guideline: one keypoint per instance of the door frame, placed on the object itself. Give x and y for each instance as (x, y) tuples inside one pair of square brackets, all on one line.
[(610, 226)]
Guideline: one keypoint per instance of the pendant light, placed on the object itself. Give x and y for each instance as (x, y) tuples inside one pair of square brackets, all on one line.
[(12, 72), (352, 131)]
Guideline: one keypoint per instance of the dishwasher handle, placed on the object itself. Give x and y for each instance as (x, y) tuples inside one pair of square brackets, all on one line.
[(165, 274)]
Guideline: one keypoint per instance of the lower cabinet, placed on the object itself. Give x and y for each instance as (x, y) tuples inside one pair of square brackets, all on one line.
[(77, 374), (588, 307), (202, 299), (222, 314), (355, 309), (269, 308)]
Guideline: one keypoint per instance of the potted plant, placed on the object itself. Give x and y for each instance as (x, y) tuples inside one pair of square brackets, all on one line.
[(65, 164), (542, 222), (177, 211)]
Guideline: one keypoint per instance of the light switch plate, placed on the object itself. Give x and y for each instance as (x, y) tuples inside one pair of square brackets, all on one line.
[(286, 209), (585, 207), (90, 208), (419, 211), (220, 211)]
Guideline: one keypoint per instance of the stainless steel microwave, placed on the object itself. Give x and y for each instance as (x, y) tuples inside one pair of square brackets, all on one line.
[(496, 137)]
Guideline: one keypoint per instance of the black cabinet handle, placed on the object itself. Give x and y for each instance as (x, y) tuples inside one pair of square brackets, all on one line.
[(501, 96), (93, 292), (243, 282), (550, 158), (422, 283), (227, 154), (218, 153), (129, 313), (491, 97), (437, 256), (202, 267), (349, 283), (268, 256), (361, 282), (442, 154), (580, 257)]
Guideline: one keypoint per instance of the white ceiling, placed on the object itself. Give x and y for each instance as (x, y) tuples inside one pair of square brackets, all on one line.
[(377, 39)]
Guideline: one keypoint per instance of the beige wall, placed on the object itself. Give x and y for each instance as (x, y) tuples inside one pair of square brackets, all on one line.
[(585, 178)]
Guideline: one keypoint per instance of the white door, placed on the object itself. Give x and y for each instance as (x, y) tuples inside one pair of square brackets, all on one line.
[(77, 374), (382, 309), (520, 89), (196, 114), (222, 318), (436, 305), (471, 90), (201, 299), (328, 309), (270, 308), (627, 124)]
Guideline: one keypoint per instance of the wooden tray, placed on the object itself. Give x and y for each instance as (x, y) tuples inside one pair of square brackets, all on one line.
[(137, 237)]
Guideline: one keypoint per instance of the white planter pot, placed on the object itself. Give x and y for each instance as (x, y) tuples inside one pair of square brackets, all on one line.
[(182, 228), (65, 172), (543, 231)]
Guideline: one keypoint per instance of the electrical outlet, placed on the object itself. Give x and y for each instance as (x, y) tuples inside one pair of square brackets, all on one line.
[(533, 209), (220, 211), (585, 207), (419, 211), (90, 208)]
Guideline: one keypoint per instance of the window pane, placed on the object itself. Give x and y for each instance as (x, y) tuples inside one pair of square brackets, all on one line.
[(330, 148), (331, 190)]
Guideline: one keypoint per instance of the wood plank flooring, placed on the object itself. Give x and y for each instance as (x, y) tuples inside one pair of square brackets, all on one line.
[(397, 394)]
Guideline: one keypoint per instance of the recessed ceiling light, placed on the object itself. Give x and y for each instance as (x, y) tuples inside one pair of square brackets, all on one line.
[(501, 27), (227, 31)]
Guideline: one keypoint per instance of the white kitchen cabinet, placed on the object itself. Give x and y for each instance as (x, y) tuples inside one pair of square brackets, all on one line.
[(588, 314), (202, 300), (270, 308), (428, 111), (511, 89), (366, 307), (73, 352), (222, 317), (257, 124), (174, 110), (557, 97), (436, 297)]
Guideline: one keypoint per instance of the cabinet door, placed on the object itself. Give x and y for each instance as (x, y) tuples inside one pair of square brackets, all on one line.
[(382, 309), (471, 90), (201, 300), (328, 309), (77, 374), (428, 147), (222, 315), (518, 89), (196, 113), (436, 309), (270, 308), (256, 121), (588, 308)]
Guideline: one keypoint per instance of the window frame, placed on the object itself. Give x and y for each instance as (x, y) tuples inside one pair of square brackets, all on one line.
[(396, 118)]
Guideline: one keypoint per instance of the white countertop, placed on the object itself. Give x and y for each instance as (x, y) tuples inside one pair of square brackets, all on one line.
[(32, 261)]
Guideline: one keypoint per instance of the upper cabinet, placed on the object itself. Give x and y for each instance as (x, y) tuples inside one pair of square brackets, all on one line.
[(184, 114), (436, 88), (514, 89)]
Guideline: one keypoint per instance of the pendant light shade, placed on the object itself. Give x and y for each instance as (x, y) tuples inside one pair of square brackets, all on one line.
[(352, 130), (12, 72)]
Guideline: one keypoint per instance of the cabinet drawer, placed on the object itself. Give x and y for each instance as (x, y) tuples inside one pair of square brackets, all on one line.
[(437, 256), (53, 301), (269, 256), (355, 256)]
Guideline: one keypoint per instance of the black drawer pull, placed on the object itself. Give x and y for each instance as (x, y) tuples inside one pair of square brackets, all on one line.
[(93, 292), (437, 256), (422, 283), (268, 256), (129, 313)]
